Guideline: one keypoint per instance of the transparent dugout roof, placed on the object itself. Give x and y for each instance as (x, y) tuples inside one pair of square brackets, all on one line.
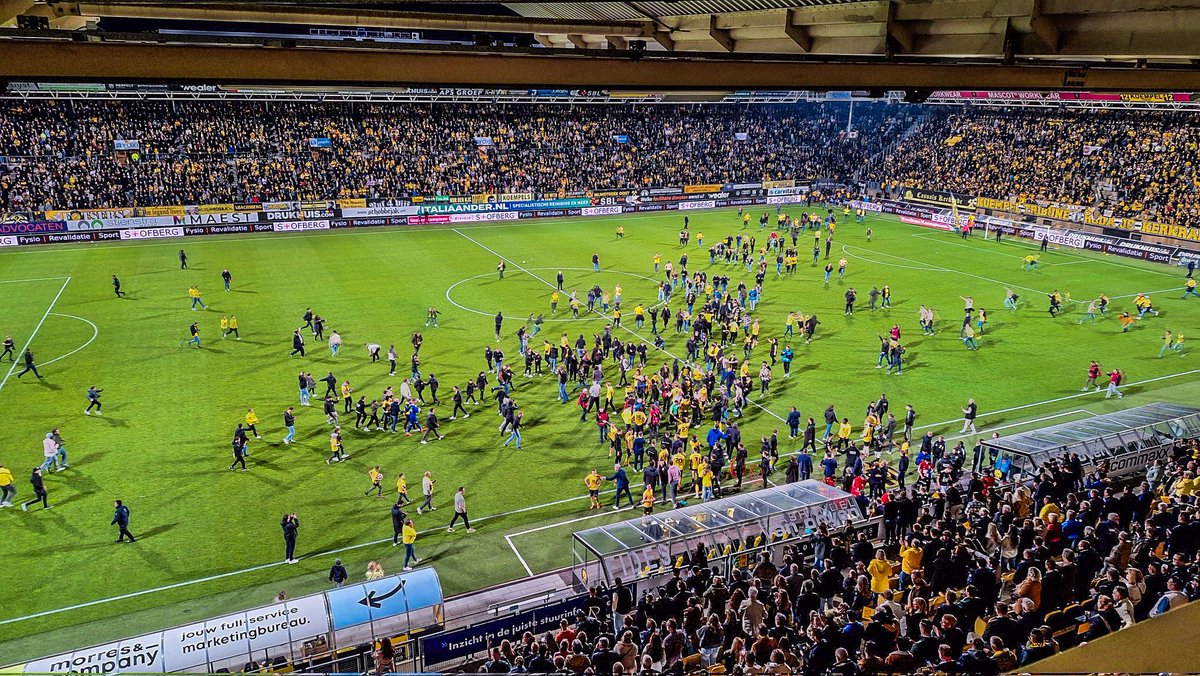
[(1172, 420), (703, 517)]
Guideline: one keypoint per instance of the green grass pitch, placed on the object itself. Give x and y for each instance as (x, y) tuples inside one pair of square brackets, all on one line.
[(162, 444)]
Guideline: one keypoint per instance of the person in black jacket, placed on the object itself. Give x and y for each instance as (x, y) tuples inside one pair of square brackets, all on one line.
[(431, 426), (39, 491), (121, 521), (297, 343), (30, 365), (337, 573), (290, 525)]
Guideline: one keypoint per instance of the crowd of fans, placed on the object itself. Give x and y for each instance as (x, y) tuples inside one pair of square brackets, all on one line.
[(1133, 164), (61, 154), (971, 578)]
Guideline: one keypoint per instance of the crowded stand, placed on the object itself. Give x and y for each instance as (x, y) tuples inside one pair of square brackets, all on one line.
[(970, 577), (1134, 164), (61, 156)]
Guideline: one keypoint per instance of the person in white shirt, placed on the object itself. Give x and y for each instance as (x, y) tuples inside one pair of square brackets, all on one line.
[(460, 510)]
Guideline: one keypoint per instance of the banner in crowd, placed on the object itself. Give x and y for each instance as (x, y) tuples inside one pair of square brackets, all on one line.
[(456, 644), (939, 198)]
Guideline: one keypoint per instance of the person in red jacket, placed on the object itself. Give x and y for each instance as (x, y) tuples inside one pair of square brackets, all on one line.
[(1093, 373), (1114, 379)]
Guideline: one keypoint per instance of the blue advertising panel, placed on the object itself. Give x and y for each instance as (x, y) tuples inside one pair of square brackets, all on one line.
[(378, 599), (452, 645)]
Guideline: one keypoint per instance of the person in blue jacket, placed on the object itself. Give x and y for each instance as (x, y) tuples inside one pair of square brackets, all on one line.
[(804, 460), (793, 423), (121, 521), (621, 481)]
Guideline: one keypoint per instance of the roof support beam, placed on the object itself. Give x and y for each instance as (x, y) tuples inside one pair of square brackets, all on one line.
[(1044, 27), (798, 33), (664, 39), (578, 41), (899, 37), (617, 42), (723, 36)]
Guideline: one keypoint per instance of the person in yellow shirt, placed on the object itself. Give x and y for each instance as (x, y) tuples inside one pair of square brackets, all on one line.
[(347, 397), (844, 432), (409, 537), (402, 489), (7, 491), (224, 326), (1178, 345), (554, 296), (376, 481), (657, 260), (1189, 288), (706, 482), (910, 561), (1048, 508), (880, 571), (620, 232), (695, 461), (648, 500), (251, 422), (233, 327), (593, 481), (194, 292)]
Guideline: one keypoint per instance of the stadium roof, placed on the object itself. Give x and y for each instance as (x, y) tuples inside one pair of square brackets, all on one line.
[(1114, 45)]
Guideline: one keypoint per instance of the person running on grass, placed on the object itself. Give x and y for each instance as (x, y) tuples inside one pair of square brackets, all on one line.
[(31, 365), (93, 397), (121, 294), (376, 476)]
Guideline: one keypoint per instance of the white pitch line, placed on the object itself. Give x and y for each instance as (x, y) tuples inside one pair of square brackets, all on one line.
[(35, 330), (519, 557), (625, 328), (31, 279), (95, 334)]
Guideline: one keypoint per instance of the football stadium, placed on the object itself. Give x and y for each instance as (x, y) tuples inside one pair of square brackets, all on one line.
[(746, 337)]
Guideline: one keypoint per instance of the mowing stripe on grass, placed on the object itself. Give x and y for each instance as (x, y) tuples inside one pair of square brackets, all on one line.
[(36, 329)]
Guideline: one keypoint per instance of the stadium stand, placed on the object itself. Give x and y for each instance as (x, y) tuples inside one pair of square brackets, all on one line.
[(1128, 164), (251, 152)]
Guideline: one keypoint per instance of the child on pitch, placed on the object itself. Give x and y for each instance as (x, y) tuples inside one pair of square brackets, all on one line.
[(376, 477)]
